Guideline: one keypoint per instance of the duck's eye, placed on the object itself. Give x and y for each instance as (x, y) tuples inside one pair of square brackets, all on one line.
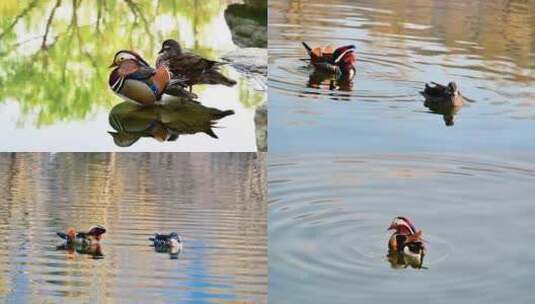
[(121, 58)]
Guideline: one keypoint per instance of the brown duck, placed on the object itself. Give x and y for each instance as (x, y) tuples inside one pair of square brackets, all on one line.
[(444, 95), (191, 68)]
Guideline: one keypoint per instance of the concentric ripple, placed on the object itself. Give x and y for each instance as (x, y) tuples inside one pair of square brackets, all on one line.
[(328, 217)]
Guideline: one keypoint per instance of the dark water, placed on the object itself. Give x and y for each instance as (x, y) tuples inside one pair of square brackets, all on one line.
[(215, 201), (487, 47), (328, 216), (54, 58)]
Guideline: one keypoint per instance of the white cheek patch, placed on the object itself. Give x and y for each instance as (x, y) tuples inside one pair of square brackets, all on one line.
[(125, 56), (342, 55)]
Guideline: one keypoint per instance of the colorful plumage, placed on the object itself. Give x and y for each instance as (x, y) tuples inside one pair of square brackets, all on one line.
[(92, 236), (341, 61), (406, 241), (134, 80)]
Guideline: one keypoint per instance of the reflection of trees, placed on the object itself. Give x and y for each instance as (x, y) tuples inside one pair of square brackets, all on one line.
[(64, 76), (499, 28), (214, 198)]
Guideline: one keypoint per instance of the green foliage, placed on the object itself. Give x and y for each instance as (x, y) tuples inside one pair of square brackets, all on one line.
[(54, 55)]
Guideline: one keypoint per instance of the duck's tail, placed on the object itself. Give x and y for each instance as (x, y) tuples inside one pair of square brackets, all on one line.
[(211, 132), (308, 48), (215, 77), (62, 235)]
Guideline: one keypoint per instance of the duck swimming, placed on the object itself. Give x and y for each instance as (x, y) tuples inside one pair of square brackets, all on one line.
[(406, 244), (341, 61), (92, 236), (191, 68), (444, 95), (167, 243), (172, 240)]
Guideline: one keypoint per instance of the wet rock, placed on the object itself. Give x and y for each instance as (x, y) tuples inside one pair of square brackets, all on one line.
[(248, 23)]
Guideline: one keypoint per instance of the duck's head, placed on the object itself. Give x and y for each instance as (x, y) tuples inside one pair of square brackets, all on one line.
[(402, 225), (452, 89), (171, 47), (71, 233), (175, 239), (96, 231), (345, 58), (125, 55)]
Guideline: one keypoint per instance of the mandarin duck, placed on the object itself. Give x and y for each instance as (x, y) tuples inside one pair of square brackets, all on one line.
[(166, 240), (441, 94), (93, 250), (92, 236), (445, 100), (189, 67), (406, 243), (167, 243), (134, 80), (341, 61)]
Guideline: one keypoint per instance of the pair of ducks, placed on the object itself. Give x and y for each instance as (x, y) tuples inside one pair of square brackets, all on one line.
[(92, 237), (406, 244), (341, 63), (134, 80)]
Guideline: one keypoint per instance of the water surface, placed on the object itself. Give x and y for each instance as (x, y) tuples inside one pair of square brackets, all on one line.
[(54, 58), (487, 47), (328, 216), (215, 201)]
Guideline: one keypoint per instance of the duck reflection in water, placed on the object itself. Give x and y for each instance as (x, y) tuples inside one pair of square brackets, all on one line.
[(93, 250), (444, 100), (164, 122), (406, 246), (319, 79)]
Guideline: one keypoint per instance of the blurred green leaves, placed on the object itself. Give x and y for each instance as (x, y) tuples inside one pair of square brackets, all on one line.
[(54, 54)]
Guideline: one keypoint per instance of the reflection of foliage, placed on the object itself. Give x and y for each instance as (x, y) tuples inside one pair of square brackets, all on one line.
[(54, 54), (499, 28), (250, 98)]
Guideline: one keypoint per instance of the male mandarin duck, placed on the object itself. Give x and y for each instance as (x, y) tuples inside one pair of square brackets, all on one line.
[(189, 67), (93, 250), (134, 80), (90, 237), (406, 240), (341, 61)]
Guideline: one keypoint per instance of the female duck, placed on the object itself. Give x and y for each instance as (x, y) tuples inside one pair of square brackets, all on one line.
[(192, 69), (443, 95), (90, 237), (172, 240)]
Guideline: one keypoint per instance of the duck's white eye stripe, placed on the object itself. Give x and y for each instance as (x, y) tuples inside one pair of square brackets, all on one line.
[(342, 55)]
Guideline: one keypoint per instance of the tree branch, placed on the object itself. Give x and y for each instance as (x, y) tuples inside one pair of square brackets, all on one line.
[(49, 23), (22, 14)]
